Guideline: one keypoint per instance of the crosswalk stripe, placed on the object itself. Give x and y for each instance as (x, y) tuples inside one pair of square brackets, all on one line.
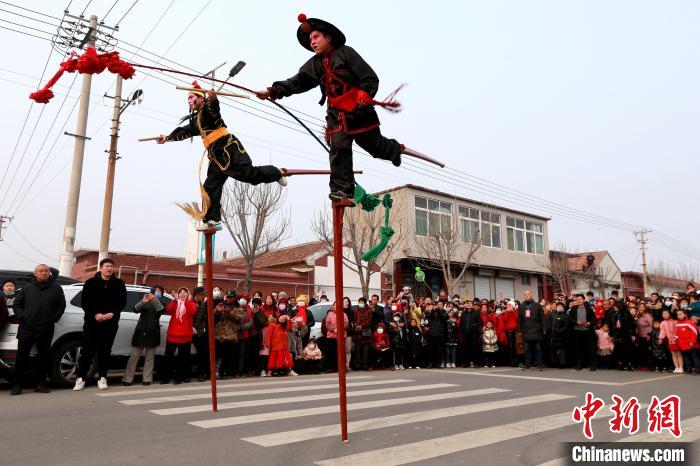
[(298, 399), (236, 420), (300, 435), (196, 396), (691, 433), (226, 384), (532, 377), (432, 448)]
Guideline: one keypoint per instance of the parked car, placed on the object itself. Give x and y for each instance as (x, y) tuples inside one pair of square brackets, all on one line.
[(68, 336), (22, 277), (319, 310)]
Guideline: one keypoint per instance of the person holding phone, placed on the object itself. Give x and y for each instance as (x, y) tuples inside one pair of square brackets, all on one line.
[(146, 338)]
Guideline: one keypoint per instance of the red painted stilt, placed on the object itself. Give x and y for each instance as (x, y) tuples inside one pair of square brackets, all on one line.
[(338, 211), (209, 284)]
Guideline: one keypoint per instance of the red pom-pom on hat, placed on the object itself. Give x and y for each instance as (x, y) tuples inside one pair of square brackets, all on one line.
[(301, 18)]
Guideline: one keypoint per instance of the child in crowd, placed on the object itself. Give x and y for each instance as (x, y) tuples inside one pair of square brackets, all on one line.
[(397, 335), (380, 346), (280, 360), (606, 345), (687, 336), (414, 348), (659, 353), (490, 340), (452, 340), (312, 357), (667, 336)]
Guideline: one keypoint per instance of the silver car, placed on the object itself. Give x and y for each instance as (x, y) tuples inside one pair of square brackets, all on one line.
[(68, 336)]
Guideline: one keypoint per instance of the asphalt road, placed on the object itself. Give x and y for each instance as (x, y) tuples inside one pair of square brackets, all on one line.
[(448, 416)]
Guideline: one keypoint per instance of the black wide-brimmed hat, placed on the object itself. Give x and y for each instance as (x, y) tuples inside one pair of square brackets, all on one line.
[(314, 24)]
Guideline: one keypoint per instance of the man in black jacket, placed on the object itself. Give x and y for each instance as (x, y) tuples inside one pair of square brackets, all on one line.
[(437, 322), (582, 320), (532, 324), (103, 298), (38, 306), (470, 325), (623, 330)]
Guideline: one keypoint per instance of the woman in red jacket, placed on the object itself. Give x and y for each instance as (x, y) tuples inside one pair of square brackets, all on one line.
[(687, 339), (280, 361), (181, 312), (510, 319)]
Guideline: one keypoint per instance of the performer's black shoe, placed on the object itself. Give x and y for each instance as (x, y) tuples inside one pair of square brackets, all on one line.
[(339, 195), (396, 160)]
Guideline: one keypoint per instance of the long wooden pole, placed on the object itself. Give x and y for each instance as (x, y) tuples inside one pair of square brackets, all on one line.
[(209, 284), (338, 211)]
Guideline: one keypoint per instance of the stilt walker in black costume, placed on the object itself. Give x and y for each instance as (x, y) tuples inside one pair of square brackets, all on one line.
[(349, 84), (227, 157)]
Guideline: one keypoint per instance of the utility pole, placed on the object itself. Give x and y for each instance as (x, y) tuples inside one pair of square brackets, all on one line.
[(4, 219), (641, 239), (111, 167), (66, 259)]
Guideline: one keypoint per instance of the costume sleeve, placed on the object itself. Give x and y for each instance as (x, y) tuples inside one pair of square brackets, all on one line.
[(183, 132), (365, 75), (306, 79)]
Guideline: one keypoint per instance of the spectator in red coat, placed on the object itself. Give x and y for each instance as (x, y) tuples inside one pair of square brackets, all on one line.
[(687, 338), (381, 346), (181, 311), (510, 318)]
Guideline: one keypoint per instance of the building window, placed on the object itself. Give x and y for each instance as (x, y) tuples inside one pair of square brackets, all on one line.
[(480, 225), (524, 236), (432, 217), (525, 279)]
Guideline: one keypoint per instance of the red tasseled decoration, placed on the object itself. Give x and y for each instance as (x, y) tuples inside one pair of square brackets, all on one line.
[(301, 18), (390, 103), (112, 60), (70, 64), (306, 27), (126, 71), (42, 96), (90, 63)]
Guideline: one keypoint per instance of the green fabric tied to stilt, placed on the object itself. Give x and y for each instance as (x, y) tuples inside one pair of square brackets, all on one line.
[(369, 202)]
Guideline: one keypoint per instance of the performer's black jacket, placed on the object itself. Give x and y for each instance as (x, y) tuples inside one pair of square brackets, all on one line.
[(343, 69), (200, 123)]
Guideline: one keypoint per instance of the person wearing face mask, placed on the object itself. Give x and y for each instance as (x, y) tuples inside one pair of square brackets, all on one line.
[(302, 311), (414, 345), (437, 321), (332, 336), (146, 338), (397, 337), (380, 347), (218, 295), (362, 334)]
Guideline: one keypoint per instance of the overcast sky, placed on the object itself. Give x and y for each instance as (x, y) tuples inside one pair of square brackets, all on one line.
[(591, 104)]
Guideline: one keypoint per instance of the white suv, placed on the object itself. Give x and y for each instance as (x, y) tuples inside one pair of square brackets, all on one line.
[(68, 336)]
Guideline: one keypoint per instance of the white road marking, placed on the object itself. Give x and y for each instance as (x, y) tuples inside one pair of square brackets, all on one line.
[(432, 448), (236, 420), (300, 435), (532, 377), (298, 399), (191, 387), (197, 396)]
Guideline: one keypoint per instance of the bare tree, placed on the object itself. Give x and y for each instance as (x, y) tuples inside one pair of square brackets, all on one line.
[(558, 265), (689, 271), (361, 231), (444, 249), (253, 216), (662, 276)]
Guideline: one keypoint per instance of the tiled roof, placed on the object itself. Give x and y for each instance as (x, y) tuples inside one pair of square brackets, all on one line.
[(282, 256), (577, 261)]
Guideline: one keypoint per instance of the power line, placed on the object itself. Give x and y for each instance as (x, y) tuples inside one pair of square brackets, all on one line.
[(127, 12), (20, 254), (31, 11), (30, 243), (38, 152), (104, 16), (86, 7)]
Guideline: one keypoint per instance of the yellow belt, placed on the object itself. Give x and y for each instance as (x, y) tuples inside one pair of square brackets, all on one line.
[(209, 139)]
